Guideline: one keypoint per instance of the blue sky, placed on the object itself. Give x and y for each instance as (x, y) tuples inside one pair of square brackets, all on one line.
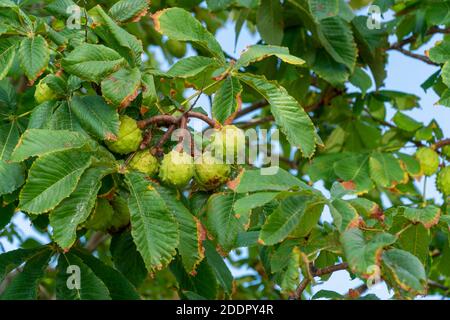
[(404, 74)]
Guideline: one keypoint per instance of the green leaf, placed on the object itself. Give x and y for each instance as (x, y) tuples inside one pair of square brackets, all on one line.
[(6, 60), (91, 286), (289, 115), (386, 170), (269, 21), (127, 259), (441, 52), (322, 9), (226, 99), (189, 248), (178, 24), (92, 62), (355, 169), (361, 80), (337, 38), (257, 180), (411, 164), (363, 254), (74, 210), (34, 56), (116, 37), (215, 261), (96, 116), (416, 240), (191, 67), (344, 214), (121, 87), (428, 216), (129, 10), (14, 258), (52, 178), (301, 212), (446, 74), (253, 201), (119, 287), (149, 94), (288, 279), (24, 286), (153, 227), (9, 136), (223, 222), (406, 270), (204, 283), (40, 142), (406, 123), (330, 70), (12, 176), (257, 53)]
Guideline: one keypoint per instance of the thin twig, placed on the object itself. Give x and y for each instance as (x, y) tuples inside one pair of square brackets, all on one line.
[(318, 273)]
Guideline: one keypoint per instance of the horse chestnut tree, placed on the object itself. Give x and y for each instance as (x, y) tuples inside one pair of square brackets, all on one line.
[(89, 154)]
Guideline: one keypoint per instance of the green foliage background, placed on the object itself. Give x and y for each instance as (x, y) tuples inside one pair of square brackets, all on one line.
[(62, 91)]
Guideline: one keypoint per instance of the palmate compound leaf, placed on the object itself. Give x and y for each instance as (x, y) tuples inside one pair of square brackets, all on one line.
[(406, 270), (226, 100), (40, 142), (75, 209), (24, 286), (363, 255), (223, 222), (190, 247), (178, 24), (91, 287), (153, 227), (297, 214), (289, 115), (52, 178), (257, 53), (92, 62), (96, 117)]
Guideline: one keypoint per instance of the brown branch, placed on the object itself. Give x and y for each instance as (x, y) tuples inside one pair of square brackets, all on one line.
[(212, 123), (158, 148), (164, 118), (172, 120), (415, 56), (318, 273), (146, 140), (442, 143)]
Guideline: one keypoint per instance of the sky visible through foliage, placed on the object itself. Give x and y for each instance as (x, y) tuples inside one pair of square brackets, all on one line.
[(404, 74)]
